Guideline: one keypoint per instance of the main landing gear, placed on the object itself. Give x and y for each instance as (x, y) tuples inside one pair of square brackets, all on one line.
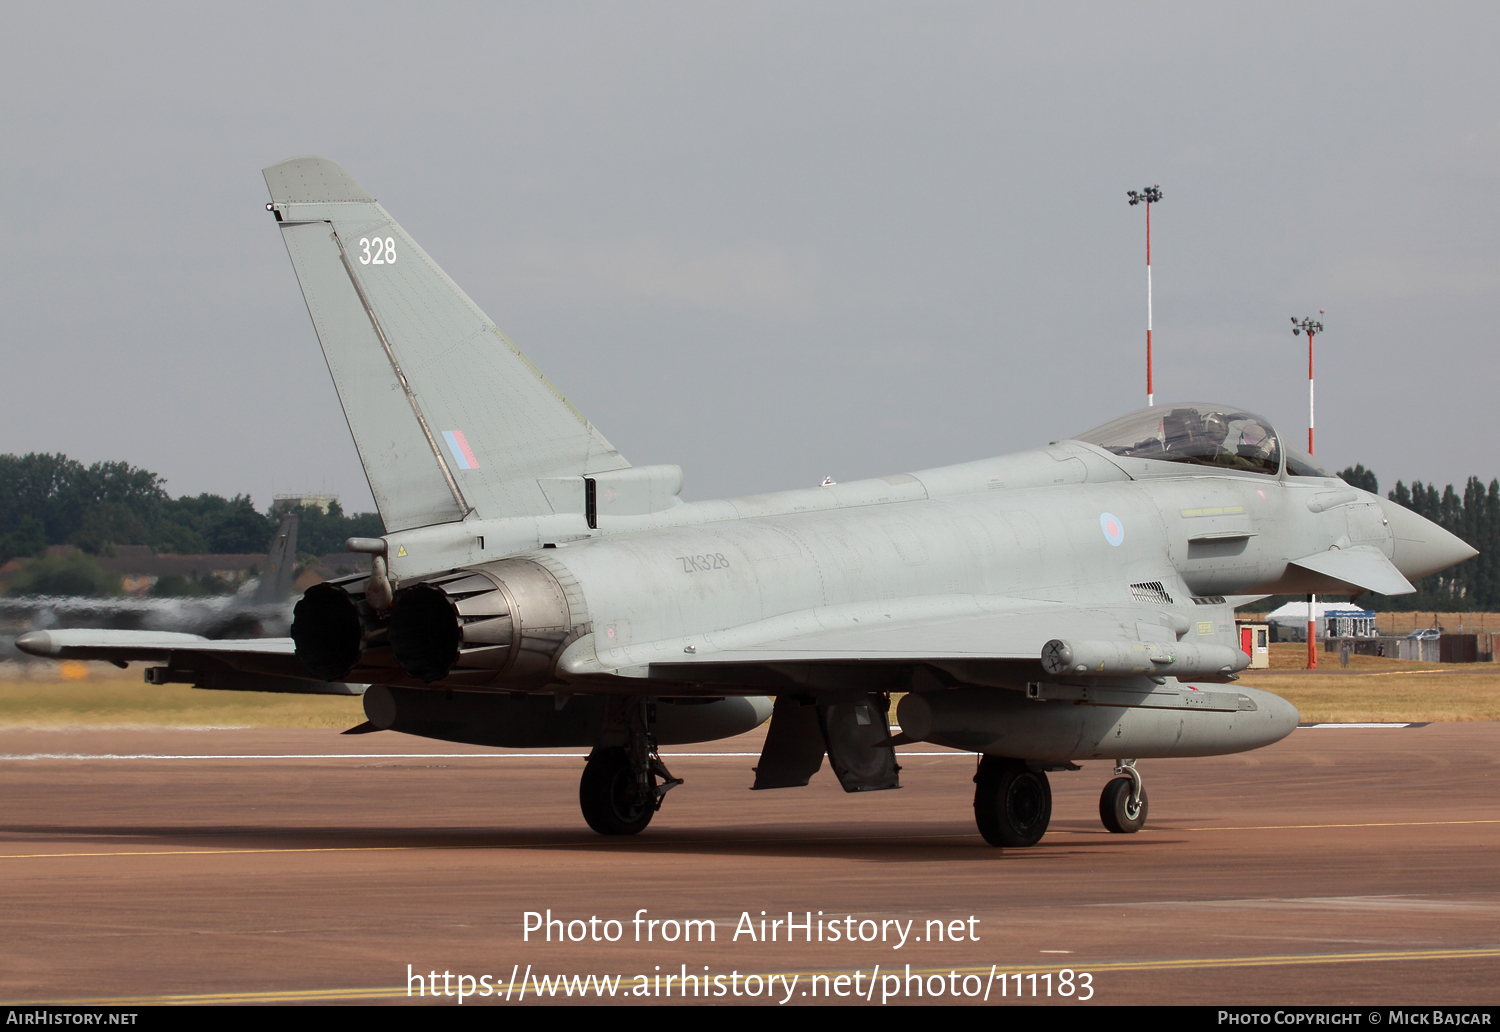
[(1013, 802), (622, 786)]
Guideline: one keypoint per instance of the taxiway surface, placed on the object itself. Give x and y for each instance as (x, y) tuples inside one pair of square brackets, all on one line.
[(1339, 866)]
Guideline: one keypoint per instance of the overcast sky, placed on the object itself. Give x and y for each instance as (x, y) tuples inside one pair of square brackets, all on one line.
[(768, 242)]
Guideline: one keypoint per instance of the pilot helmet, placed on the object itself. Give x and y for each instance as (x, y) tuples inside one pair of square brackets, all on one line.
[(1215, 427)]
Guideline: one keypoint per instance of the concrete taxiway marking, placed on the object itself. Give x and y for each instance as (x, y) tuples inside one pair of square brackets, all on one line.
[(1307, 827), (1389, 902), (804, 977), (230, 852)]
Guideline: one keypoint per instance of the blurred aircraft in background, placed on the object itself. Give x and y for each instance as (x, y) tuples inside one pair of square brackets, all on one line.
[(262, 607)]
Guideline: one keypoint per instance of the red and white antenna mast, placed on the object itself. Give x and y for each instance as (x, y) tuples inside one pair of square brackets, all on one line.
[(1149, 196)]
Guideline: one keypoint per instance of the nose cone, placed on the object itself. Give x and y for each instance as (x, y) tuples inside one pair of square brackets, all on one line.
[(1422, 548)]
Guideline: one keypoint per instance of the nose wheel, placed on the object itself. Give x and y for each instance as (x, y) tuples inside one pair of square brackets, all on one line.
[(1123, 804)]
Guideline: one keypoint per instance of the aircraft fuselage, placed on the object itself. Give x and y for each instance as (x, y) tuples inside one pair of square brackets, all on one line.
[(983, 536)]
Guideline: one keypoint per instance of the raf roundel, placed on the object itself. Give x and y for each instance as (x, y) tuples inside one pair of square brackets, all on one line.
[(1114, 530)]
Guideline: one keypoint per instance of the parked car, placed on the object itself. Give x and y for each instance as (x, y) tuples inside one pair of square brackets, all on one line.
[(1425, 634)]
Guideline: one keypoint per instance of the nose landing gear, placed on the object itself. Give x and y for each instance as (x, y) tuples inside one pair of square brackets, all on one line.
[(1123, 805)]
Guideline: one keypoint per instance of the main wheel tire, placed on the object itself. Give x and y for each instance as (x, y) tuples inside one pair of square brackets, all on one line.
[(606, 794), (1012, 802), (1115, 809)]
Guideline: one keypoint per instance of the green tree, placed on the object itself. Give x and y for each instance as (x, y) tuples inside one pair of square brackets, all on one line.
[(237, 527), (1474, 517), (176, 539), (59, 492), (107, 524), (29, 538), (1358, 476), (73, 574), (108, 504), (320, 532)]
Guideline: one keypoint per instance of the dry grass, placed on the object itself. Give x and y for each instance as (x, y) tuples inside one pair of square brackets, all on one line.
[(1292, 655), (51, 695), (1377, 689), (1405, 623), (1454, 693)]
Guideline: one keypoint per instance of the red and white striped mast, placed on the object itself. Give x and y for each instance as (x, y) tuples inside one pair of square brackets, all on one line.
[(1149, 196), (1311, 327)]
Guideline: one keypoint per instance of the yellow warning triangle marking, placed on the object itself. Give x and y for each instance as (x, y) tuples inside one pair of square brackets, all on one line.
[(400, 551)]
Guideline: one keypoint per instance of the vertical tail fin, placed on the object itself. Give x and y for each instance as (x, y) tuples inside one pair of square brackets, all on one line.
[(448, 416), (281, 565)]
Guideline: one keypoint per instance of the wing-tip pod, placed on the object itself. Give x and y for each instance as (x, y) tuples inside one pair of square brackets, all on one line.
[(312, 180), (37, 643), (105, 643)]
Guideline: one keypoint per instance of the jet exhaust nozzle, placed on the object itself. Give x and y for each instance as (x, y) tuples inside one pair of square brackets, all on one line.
[(504, 621), (327, 632), (426, 632)]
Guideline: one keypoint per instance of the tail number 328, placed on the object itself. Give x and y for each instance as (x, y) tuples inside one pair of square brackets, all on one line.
[(375, 251)]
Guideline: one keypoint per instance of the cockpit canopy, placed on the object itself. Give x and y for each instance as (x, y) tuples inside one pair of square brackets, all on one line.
[(1202, 434)]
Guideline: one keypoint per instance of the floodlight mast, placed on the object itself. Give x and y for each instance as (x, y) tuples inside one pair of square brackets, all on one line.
[(1311, 327), (1149, 196)]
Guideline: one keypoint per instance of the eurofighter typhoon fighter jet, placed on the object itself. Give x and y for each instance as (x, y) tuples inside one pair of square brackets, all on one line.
[(1070, 603)]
